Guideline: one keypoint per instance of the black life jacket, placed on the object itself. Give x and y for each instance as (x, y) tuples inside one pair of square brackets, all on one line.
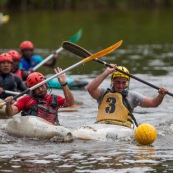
[(44, 110), (7, 82)]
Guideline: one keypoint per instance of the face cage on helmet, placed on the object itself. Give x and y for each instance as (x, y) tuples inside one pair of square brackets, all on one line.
[(127, 85)]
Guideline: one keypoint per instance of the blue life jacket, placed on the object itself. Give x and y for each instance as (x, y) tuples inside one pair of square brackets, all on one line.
[(34, 60)]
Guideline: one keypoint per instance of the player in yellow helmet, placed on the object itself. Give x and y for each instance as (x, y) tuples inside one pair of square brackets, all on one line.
[(116, 104)]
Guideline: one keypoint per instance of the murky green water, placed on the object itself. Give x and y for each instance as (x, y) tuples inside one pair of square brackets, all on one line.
[(146, 52), (141, 30)]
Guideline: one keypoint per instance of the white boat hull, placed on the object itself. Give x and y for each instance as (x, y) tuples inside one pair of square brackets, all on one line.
[(2, 111), (35, 127), (102, 132)]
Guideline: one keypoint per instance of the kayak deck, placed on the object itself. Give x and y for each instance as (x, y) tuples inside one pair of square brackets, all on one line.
[(102, 132), (35, 127)]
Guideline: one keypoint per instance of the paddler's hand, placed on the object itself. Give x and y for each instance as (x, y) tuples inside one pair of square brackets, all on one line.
[(111, 70), (30, 70), (1, 90), (62, 77), (9, 100), (55, 55), (162, 91)]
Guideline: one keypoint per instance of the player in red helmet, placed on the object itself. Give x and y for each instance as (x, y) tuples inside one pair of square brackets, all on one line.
[(39, 102), (8, 81), (21, 73), (29, 59)]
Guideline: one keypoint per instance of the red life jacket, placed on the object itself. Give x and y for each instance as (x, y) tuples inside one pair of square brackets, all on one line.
[(19, 74), (47, 111)]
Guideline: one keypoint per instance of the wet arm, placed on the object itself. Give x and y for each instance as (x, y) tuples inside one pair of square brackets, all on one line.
[(10, 109), (93, 85), (156, 101), (67, 93), (68, 96), (52, 62)]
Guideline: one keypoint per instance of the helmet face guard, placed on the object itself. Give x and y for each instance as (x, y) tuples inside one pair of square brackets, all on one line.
[(34, 79), (117, 74)]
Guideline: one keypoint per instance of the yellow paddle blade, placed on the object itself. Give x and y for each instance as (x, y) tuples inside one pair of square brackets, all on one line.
[(103, 52), (1, 105)]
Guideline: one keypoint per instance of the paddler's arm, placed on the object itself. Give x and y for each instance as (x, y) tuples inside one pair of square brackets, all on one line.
[(10, 109), (156, 101), (52, 62), (67, 93), (93, 85)]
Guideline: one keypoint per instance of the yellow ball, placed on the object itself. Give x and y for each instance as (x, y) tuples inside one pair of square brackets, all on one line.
[(145, 134)]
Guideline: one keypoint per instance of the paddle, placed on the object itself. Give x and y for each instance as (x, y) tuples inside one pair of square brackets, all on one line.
[(78, 50), (94, 56), (73, 39), (11, 92)]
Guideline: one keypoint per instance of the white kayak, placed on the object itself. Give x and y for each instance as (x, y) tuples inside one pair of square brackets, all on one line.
[(2, 111), (35, 127), (103, 132)]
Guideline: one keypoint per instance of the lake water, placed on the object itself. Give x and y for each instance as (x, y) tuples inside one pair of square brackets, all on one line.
[(146, 52)]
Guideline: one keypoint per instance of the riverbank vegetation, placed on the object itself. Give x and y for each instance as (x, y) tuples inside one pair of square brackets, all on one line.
[(82, 4)]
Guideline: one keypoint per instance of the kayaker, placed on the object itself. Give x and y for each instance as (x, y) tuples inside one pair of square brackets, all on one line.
[(116, 104), (21, 73), (8, 81), (39, 102), (29, 60)]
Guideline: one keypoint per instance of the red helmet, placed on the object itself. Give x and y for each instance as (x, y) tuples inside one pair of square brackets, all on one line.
[(34, 78), (26, 45), (15, 55), (6, 57)]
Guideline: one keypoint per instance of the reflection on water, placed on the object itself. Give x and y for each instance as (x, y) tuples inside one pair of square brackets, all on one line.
[(139, 59), (90, 157)]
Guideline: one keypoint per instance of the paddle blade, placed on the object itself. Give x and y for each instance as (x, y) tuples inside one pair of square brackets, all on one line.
[(76, 49), (2, 104), (76, 37), (103, 52)]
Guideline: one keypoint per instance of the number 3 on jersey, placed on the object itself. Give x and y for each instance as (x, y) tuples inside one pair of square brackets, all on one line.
[(111, 107)]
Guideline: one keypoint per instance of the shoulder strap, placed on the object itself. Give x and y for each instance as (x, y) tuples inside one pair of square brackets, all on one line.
[(125, 101), (127, 104), (54, 103)]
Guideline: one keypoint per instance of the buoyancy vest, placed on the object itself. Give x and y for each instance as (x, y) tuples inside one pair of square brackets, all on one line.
[(7, 82), (47, 111), (115, 109), (27, 65), (19, 74)]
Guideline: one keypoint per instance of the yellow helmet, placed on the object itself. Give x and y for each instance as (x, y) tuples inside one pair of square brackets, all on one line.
[(119, 74)]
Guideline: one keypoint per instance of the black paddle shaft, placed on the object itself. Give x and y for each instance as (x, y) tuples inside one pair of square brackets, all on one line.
[(81, 52), (132, 76), (21, 94)]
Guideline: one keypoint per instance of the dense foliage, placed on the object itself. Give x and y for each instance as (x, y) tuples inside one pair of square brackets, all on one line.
[(82, 4)]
